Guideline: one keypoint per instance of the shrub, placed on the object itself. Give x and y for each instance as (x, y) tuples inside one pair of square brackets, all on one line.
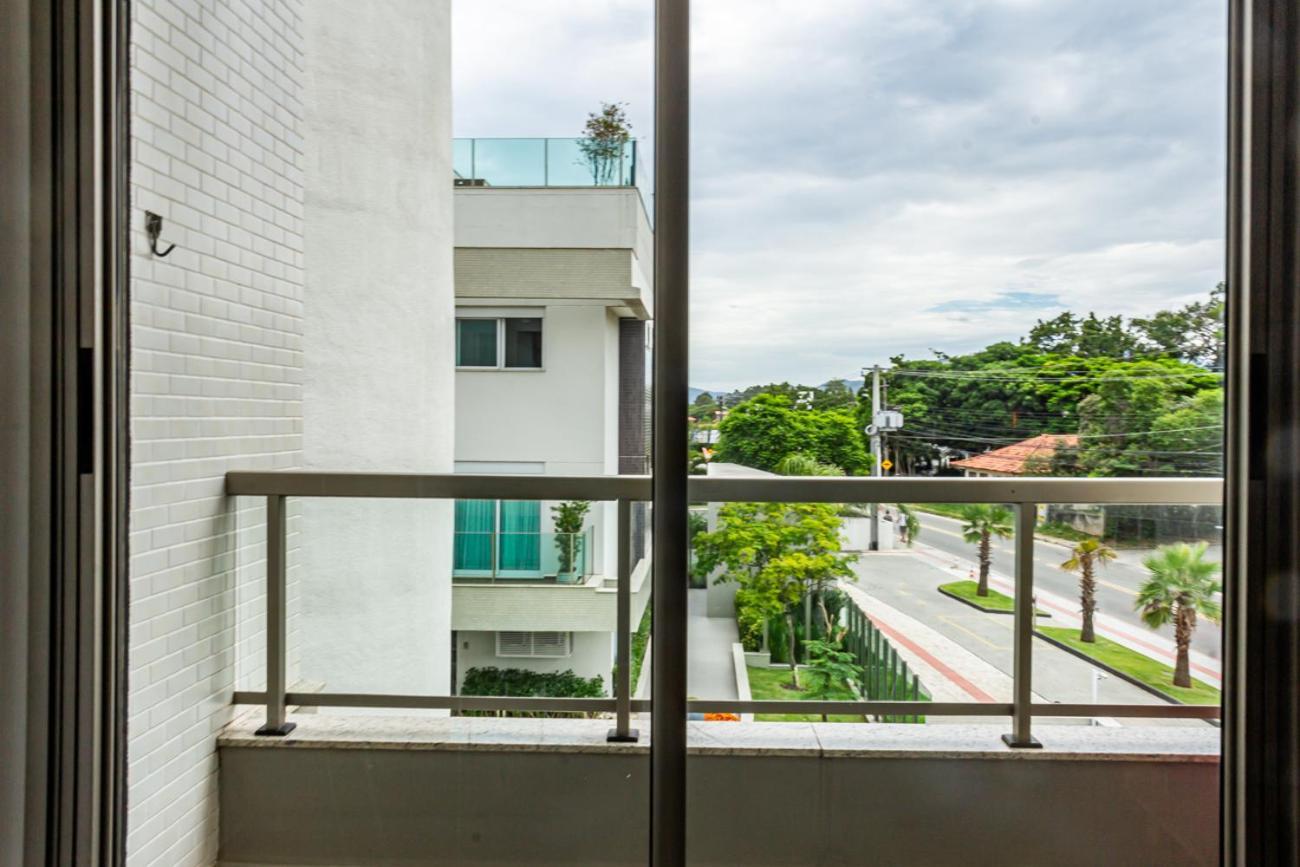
[(749, 622), (493, 681)]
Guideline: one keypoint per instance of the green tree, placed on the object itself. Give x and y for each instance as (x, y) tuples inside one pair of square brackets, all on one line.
[(833, 668), (765, 429), (703, 407), (1181, 586), (569, 519), (800, 464), (1085, 557), (1118, 420), (604, 141), (778, 553), (1085, 337), (835, 394), (982, 523), (1193, 333), (1188, 439), (1011, 391)]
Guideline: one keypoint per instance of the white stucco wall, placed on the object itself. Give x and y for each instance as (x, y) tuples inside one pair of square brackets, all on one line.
[(378, 342), (593, 654), (564, 416), (559, 415)]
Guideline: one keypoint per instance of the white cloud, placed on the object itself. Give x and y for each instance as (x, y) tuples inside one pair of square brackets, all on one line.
[(856, 164)]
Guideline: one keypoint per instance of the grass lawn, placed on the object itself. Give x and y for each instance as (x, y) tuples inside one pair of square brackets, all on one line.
[(1134, 664), (948, 510), (995, 601), (767, 684)]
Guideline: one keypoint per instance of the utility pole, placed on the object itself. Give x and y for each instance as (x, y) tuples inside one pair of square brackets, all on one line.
[(876, 452)]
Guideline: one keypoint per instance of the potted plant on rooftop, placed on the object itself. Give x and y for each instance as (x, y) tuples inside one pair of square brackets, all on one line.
[(604, 143)]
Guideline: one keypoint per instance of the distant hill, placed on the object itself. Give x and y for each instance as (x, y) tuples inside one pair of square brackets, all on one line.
[(693, 392)]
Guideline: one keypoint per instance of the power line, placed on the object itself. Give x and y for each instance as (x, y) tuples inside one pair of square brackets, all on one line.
[(974, 376)]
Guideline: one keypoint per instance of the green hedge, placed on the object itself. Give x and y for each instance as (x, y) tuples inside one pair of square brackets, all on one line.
[(493, 681)]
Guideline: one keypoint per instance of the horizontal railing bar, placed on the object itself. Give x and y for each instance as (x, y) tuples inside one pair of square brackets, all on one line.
[(442, 702), (947, 490), (414, 486), (1150, 711), (1138, 491), (598, 705), (923, 708)]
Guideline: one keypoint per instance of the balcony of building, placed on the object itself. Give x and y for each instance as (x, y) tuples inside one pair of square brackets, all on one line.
[(460, 789)]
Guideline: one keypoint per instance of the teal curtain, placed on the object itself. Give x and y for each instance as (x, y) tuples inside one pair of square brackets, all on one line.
[(521, 540), (475, 529)]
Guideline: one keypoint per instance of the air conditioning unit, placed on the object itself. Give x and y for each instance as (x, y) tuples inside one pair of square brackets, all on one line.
[(536, 645)]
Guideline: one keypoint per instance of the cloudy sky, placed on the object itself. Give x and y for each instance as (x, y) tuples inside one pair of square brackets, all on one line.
[(875, 177)]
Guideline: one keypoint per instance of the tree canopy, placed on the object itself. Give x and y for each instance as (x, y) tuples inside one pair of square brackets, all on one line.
[(764, 430)]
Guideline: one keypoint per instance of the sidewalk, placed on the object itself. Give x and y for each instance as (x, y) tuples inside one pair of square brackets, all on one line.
[(709, 669), (949, 671)]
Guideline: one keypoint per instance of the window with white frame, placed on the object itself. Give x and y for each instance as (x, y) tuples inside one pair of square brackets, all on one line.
[(543, 645), (499, 342)]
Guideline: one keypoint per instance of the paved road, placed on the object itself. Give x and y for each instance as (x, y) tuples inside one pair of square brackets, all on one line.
[(1118, 580), (907, 581)]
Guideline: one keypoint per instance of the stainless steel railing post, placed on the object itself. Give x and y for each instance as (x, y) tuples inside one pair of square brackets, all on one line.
[(1023, 662), (277, 543), (622, 731)]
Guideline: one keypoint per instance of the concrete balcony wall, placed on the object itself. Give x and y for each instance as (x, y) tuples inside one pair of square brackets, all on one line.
[(552, 792)]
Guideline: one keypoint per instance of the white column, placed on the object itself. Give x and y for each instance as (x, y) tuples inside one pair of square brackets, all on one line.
[(374, 581)]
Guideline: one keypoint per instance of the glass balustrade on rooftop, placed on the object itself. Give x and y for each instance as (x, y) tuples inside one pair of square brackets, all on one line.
[(546, 162)]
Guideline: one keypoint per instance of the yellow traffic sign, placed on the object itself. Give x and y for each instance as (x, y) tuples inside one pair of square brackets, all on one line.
[(886, 465)]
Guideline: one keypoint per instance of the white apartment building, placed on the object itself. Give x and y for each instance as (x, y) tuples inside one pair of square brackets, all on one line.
[(303, 320), (552, 300)]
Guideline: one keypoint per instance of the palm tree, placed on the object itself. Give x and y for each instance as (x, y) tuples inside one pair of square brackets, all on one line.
[(983, 522), (1181, 586), (1087, 556), (801, 464)]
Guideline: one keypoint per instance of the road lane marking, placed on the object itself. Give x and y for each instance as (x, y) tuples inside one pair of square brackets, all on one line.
[(1039, 560), (972, 633)]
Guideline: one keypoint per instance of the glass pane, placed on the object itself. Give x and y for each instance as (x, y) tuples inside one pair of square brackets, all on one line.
[(510, 162), (523, 343), (475, 527), (476, 342), (520, 540)]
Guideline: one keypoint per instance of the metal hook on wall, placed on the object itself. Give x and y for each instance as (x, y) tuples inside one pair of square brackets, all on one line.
[(153, 228)]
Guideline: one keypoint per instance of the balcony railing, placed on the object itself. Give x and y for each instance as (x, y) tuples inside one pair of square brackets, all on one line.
[(1023, 495), (553, 558), (545, 162)]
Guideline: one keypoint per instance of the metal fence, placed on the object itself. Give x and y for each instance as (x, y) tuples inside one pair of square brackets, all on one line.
[(1023, 495), (885, 675)]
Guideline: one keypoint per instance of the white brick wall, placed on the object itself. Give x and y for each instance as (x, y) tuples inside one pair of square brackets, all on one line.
[(216, 381)]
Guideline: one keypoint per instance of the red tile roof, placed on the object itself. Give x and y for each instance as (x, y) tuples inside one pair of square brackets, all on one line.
[(1010, 460)]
